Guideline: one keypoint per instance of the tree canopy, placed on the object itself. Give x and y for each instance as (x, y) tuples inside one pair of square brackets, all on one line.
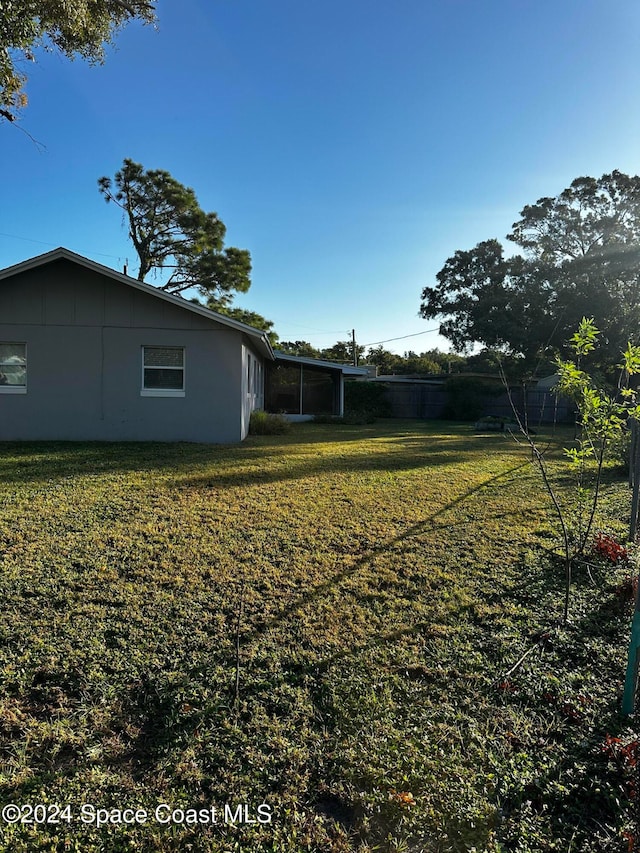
[(81, 28), (170, 231), (580, 257), (342, 352), (424, 363), (250, 318), (302, 348)]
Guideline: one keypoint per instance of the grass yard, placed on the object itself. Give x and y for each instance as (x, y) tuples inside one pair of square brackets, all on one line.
[(317, 625)]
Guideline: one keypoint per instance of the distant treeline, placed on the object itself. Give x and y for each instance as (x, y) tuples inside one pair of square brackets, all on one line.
[(430, 363)]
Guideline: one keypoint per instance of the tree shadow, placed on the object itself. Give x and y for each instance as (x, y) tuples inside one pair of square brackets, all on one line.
[(415, 530), (23, 462), (412, 455), (438, 443)]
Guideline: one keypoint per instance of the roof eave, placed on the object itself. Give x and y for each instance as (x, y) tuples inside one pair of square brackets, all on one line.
[(345, 369), (61, 253)]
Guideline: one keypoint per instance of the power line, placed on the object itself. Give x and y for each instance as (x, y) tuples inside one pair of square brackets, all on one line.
[(375, 343), (320, 331), (55, 245), (309, 328), (401, 338)]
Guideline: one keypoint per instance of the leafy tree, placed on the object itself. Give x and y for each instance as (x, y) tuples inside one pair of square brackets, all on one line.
[(602, 417), (81, 28), (581, 255), (430, 362), (342, 351), (301, 348), (250, 318), (449, 362), (386, 361), (169, 230), (422, 363), (496, 362), (486, 298)]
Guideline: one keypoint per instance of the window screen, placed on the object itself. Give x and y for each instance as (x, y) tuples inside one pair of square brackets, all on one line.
[(163, 368), (13, 365)]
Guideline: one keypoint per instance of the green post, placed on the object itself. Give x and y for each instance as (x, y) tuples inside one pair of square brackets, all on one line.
[(631, 680)]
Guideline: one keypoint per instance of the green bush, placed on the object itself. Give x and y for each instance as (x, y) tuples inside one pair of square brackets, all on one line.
[(365, 401), (619, 447), (263, 423)]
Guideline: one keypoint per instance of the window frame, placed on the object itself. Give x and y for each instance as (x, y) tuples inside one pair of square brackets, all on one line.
[(254, 380), (163, 392), (15, 389)]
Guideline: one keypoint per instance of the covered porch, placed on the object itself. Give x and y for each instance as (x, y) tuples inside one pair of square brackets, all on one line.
[(301, 388)]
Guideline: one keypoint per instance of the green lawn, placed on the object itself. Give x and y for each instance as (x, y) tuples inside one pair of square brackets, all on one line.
[(319, 622)]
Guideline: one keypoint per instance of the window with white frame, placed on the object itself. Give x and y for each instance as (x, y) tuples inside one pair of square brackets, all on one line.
[(254, 379), (13, 368), (163, 371)]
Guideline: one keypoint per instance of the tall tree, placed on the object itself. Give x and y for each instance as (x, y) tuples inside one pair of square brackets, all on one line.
[(301, 348), (342, 351), (170, 231), (581, 257), (425, 363), (386, 361), (250, 318), (489, 299), (81, 28)]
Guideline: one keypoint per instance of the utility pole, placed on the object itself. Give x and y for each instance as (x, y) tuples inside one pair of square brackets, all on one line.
[(355, 351)]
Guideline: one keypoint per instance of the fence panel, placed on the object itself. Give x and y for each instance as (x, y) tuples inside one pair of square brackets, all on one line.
[(419, 400)]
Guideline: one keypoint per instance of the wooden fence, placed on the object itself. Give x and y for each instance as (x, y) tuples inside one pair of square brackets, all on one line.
[(422, 400)]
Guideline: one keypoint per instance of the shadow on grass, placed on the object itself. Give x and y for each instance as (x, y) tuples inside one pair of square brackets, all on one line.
[(404, 454), (38, 461), (153, 705), (366, 558), (261, 460), (571, 790)]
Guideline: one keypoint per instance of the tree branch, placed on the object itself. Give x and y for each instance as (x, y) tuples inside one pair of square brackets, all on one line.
[(132, 10)]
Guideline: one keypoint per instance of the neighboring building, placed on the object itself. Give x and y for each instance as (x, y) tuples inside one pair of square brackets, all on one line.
[(548, 383), (87, 353)]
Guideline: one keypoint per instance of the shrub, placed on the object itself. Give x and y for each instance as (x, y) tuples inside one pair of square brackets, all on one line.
[(365, 401), (619, 447), (607, 547), (263, 423)]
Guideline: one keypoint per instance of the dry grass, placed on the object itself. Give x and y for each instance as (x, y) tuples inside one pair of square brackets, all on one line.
[(367, 586)]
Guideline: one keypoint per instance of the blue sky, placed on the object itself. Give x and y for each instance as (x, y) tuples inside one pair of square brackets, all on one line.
[(351, 146)]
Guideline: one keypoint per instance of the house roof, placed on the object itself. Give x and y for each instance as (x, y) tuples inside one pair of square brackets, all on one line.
[(398, 378), (259, 338), (345, 369), (548, 382)]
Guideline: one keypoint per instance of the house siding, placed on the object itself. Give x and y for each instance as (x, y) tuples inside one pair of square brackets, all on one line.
[(84, 335)]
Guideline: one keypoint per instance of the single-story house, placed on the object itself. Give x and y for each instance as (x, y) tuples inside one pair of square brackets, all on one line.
[(88, 353)]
